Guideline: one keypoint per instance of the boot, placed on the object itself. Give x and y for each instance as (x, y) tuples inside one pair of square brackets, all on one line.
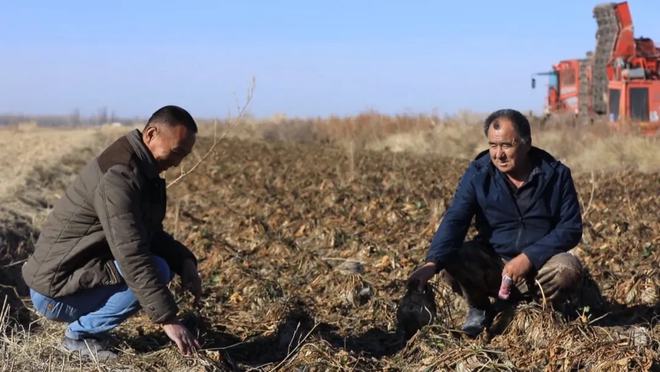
[(475, 321), (91, 348)]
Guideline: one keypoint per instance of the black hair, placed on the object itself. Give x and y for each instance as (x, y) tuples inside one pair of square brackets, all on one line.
[(172, 115), (519, 121)]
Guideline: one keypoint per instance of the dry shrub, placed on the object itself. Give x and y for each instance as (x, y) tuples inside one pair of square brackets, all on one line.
[(600, 146), (619, 152), (445, 139), (537, 336)]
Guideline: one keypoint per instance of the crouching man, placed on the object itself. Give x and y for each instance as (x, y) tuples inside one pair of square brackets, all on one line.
[(527, 216), (102, 253)]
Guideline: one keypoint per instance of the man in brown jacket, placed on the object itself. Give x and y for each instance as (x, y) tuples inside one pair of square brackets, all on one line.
[(102, 253)]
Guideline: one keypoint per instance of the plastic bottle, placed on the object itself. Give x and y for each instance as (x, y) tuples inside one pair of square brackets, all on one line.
[(505, 287)]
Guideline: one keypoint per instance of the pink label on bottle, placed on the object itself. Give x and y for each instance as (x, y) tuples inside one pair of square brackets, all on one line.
[(505, 287)]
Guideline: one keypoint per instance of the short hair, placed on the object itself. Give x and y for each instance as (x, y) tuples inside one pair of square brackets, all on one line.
[(172, 115), (519, 121)]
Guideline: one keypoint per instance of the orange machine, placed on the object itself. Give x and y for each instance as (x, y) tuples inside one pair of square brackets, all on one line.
[(620, 79), (568, 86)]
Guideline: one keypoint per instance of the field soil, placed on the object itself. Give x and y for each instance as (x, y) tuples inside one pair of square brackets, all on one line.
[(304, 251)]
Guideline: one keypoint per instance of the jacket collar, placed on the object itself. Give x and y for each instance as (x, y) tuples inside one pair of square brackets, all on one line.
[(146, 159), (544, 162)]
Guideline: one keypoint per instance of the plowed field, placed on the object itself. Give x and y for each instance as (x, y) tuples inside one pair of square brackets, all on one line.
[(304, 251)]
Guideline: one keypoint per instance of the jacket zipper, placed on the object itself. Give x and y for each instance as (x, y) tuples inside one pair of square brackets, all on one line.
[(113, 276), (521, 225)]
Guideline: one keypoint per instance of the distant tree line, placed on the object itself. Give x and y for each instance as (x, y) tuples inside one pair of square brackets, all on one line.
[(103, 116)]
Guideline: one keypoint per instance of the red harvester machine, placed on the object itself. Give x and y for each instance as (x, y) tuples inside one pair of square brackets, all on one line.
[(621, 79)]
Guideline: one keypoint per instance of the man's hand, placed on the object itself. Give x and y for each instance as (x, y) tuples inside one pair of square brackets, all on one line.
[(184, 340), (423, 274), (518, 268), (190, 279)]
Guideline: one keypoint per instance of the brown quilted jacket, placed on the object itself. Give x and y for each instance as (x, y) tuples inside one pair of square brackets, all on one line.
[(112, 211)]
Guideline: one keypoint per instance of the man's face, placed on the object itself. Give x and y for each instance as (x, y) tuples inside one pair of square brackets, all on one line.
[(506, 151), (168, 144)]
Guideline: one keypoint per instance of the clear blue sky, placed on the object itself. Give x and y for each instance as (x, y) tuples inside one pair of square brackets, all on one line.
[(309, 58)]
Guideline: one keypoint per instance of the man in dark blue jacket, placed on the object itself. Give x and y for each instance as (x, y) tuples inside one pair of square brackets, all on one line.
[(527, 216)]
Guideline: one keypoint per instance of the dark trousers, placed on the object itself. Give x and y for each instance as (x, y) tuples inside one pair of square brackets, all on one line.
[(475, 272)]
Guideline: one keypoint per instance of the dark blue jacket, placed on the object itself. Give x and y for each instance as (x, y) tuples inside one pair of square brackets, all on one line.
[(551, 224)]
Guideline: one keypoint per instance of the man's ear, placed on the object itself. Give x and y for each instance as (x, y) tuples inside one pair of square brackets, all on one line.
[(149, 134)]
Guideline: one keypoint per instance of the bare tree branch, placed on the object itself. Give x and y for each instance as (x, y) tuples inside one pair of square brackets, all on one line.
[(242, 110)]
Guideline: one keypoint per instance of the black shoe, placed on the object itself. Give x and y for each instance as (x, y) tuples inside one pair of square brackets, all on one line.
[(475, 321), (89, 348)]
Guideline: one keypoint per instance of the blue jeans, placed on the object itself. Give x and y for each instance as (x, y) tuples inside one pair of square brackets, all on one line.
[(92, 312)]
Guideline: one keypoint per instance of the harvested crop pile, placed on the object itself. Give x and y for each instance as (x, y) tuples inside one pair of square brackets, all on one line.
[(305, 250)]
